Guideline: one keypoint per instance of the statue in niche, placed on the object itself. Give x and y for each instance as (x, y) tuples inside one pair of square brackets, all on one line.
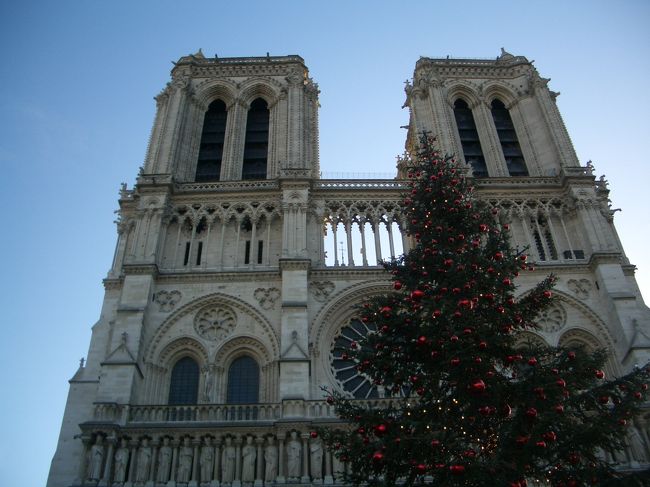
[(121, 461), (164, 461), (208, 381), (228, 462), (316, 458), (249, 454), (144, 462), (206, 461), (96, 460), (185, 461), (271, 459), (293, 457)]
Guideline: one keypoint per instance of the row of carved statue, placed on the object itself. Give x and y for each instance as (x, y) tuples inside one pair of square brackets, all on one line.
[(231, 460)]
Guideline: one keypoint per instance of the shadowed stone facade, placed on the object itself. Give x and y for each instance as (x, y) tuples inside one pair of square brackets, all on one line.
[(237, 268)]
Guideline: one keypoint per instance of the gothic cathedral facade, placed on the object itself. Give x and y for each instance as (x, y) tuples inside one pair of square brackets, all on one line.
[(237, 268)]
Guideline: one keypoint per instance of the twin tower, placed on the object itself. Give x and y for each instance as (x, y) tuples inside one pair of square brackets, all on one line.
[(238, 270)]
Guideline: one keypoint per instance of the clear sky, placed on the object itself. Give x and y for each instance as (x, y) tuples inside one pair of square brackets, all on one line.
[(76, 109)]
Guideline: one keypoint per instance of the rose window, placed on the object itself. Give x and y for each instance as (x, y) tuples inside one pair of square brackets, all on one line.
[(344, 368)]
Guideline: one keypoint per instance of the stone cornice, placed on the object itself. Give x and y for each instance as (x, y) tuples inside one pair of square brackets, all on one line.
[(598, 258)]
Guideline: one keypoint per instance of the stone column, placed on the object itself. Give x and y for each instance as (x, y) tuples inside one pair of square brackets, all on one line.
[(172, 476), (376, 225), (132, 463), (329, 479), (305, 459), (154, 459), (487, 132), (259, 474), (336, 252), (391, 244), (217, 460), (348, 234), (195, 464), (237, 481), (364, 255), (281, 478)]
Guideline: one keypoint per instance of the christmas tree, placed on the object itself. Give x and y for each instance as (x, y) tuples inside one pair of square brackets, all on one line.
[(470, 403)]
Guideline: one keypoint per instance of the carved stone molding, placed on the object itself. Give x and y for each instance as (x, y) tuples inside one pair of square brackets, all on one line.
[(580, 287), (321, 290), (215, 323), (267, 297), (167, 300)]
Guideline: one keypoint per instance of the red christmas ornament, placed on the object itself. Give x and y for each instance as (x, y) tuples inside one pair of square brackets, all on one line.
[(550, 436), (498, 256), (600, 374), (532, 361), (559, 409), (561, 383), (421, 468), (571, 355), (397, 285), (478, 386), (417, 295), (380, 429), (422, 340), (547, 294), (531, 413), (455, 361), (482, 345), (377, 456), (314, 434), (540, 444), (457, 469)]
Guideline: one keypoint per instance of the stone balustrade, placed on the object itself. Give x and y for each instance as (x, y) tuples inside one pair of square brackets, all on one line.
[(291, 409)]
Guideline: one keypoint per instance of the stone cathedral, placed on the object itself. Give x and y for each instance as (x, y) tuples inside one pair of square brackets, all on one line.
[(238, 268)]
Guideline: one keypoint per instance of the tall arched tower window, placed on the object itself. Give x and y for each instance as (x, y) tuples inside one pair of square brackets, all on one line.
[(243, 381), (184, 385), (208, 167), (256, 146), (469, 140), (508, 138)]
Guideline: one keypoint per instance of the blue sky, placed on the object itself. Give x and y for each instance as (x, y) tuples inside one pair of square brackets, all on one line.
[(76, 109)]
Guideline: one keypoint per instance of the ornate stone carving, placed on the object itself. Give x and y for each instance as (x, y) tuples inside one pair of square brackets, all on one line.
[(580, 287), (167, 300), (321, 290), (215, 322), (267, 297), (552, 319)]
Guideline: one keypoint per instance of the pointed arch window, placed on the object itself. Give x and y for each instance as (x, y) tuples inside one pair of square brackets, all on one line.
[(243, 381), (184, 385), (508, 138), (208, 167), (256, 144), (469, 140)]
